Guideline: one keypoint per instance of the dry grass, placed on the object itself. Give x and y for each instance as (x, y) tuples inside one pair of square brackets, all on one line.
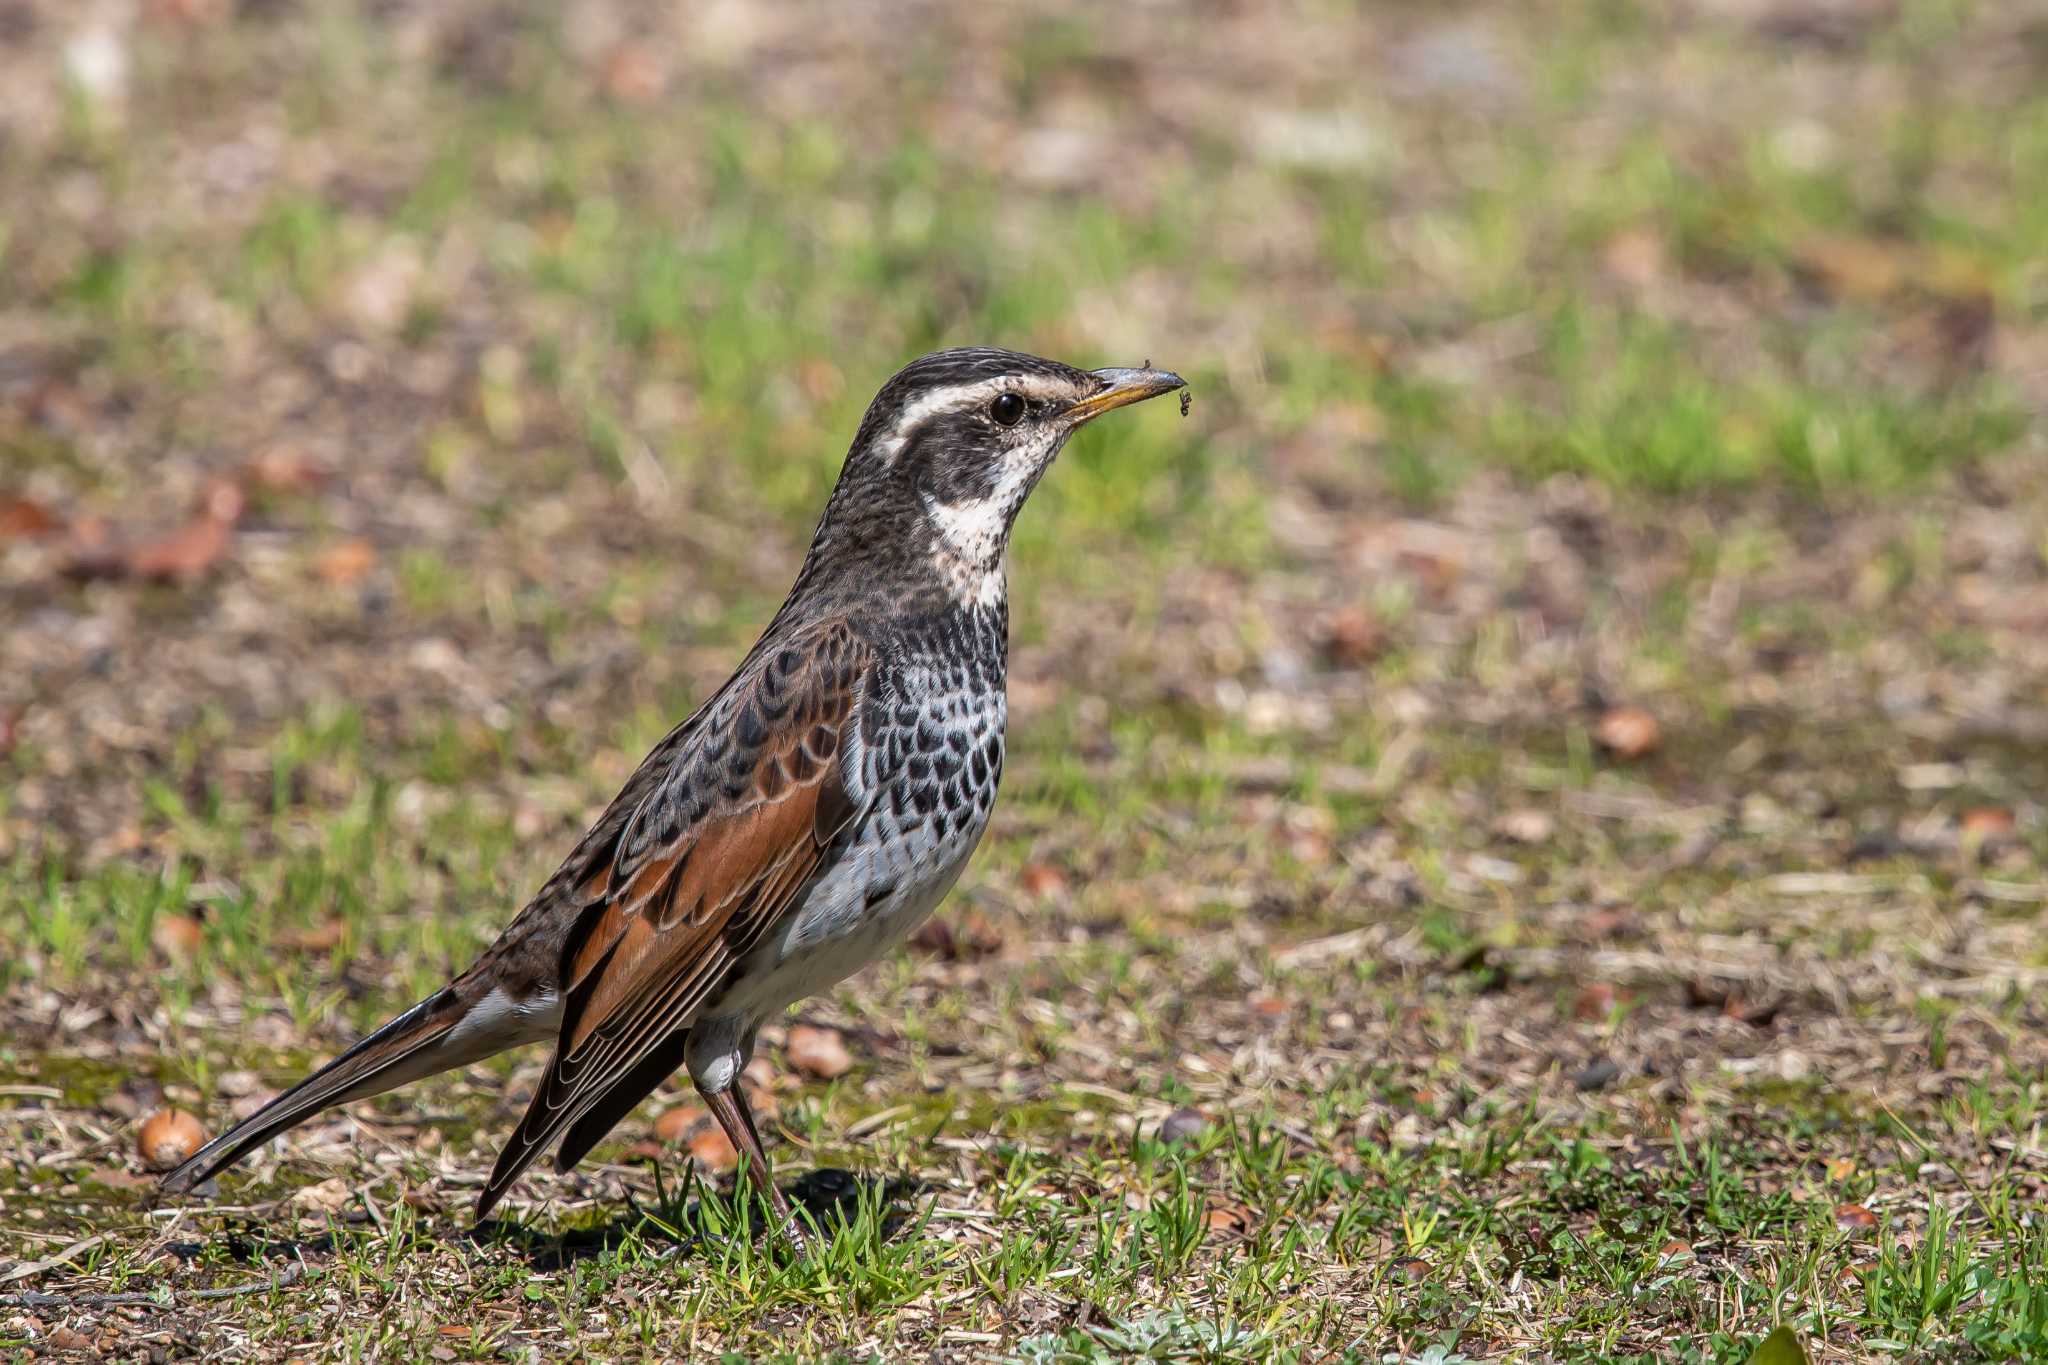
[(1687, 359)]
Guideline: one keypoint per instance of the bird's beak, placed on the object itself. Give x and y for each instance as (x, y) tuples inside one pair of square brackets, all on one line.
[(1120, 387)]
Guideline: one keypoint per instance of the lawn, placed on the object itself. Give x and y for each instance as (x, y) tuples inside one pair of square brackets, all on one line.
[(1524, 837)]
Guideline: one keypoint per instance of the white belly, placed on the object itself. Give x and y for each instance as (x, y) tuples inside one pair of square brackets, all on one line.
[(873, 899)]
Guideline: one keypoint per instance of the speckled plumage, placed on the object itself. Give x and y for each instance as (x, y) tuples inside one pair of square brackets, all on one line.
[(805, 818)]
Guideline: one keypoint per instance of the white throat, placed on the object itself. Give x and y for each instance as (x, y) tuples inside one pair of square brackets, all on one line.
[(973, 551)]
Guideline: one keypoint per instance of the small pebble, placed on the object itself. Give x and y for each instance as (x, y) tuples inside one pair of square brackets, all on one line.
[(1600, 1074), (1183, 1125)]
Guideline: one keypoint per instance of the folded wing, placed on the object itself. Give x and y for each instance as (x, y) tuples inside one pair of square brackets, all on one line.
[(714, 856)]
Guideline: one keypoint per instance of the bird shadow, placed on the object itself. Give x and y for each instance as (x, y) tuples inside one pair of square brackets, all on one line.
[(691, 1218), (246, 1244), (687, 1219)]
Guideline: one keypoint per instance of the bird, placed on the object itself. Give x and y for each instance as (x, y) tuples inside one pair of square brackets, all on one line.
[(808, 816)]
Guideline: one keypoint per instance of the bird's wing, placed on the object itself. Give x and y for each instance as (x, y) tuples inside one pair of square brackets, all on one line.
[(445, 1030), (709, 861)]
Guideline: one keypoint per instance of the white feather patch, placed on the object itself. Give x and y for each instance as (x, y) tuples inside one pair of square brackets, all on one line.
[(956, 397), (498, 1021)]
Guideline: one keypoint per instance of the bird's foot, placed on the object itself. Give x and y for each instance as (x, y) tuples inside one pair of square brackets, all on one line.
[(790, 1227)]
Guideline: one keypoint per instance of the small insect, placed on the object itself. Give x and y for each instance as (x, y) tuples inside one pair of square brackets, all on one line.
[(1186, 397)]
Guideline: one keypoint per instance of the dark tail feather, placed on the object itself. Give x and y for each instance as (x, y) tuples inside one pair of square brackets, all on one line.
[(635, 1086), (586, 1120), (407, 1048)]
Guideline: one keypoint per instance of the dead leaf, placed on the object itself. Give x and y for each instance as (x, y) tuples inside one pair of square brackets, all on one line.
[(1954, 335), (176, 935), (185, 553), (762, 1102), (1617, 921), (1042, 881), (1987, 822), (64, 1338), (23, 518), (135, 1097), (934, 936), (329, 1196), (320, 938), (633, 74), (678, 1123), (178, 555), (1352, 637), (1854, 1218), (195, 13), (284, 469), (1628, 732), (1525, 825), (1267, 1006), (1855, 267), (973, 937), (819, 1052), (1309, 847), (819, 378), (1634, 257), (345, 562), (1594, 1002), (1702, 994), (713, 1149), (1436, 569), (1228, 1217)]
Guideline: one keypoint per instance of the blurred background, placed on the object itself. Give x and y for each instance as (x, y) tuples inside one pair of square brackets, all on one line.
[(1585, 647)]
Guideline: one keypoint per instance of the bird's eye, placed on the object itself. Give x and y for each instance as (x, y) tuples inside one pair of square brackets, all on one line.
[(1007, 409)]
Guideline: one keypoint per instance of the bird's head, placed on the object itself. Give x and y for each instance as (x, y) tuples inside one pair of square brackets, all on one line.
[(953, 445)]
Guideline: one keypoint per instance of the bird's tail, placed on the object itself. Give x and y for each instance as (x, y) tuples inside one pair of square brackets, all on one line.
[(446, 1030)]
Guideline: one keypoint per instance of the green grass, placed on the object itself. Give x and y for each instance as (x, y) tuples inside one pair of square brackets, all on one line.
[(1383, 1199), (580, 368), (772, 268)]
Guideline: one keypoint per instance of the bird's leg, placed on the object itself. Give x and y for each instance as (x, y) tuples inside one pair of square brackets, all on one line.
[(729, 1107)]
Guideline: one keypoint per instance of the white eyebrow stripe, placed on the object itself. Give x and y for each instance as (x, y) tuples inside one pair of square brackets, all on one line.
[(956, 397)]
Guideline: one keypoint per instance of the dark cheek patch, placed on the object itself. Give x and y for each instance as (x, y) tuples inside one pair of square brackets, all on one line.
[(955, 457)]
